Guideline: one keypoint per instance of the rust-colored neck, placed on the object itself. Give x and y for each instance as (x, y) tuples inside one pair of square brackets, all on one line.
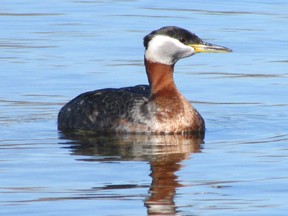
[(160, 77)]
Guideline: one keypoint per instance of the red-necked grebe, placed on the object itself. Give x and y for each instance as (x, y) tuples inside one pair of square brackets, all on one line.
[(157, 108)]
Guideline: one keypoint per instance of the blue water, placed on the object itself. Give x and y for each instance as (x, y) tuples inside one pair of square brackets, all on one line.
[(51, 51)]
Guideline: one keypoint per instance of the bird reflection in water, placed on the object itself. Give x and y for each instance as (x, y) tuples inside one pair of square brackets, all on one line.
[(163, 152)]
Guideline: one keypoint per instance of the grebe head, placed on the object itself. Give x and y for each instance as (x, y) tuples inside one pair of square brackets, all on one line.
[(169, 44)]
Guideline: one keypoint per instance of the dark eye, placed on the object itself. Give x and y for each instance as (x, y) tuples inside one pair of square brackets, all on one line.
[(182, 40)]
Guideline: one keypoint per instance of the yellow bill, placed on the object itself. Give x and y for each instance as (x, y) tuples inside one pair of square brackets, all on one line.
[(209, 48)]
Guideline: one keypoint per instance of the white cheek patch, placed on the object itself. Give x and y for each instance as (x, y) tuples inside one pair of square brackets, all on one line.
[(167, 50)]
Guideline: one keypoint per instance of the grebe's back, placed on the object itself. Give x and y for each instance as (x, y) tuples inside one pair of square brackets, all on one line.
[(100, 110)]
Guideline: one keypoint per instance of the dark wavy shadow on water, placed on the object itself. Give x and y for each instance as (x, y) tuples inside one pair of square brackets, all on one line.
[(163, 152)]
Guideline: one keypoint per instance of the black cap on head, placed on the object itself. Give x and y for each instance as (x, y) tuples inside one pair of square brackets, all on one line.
[(184, 36)]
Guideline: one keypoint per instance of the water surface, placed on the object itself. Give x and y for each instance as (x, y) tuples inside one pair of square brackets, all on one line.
[(52, 51)]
